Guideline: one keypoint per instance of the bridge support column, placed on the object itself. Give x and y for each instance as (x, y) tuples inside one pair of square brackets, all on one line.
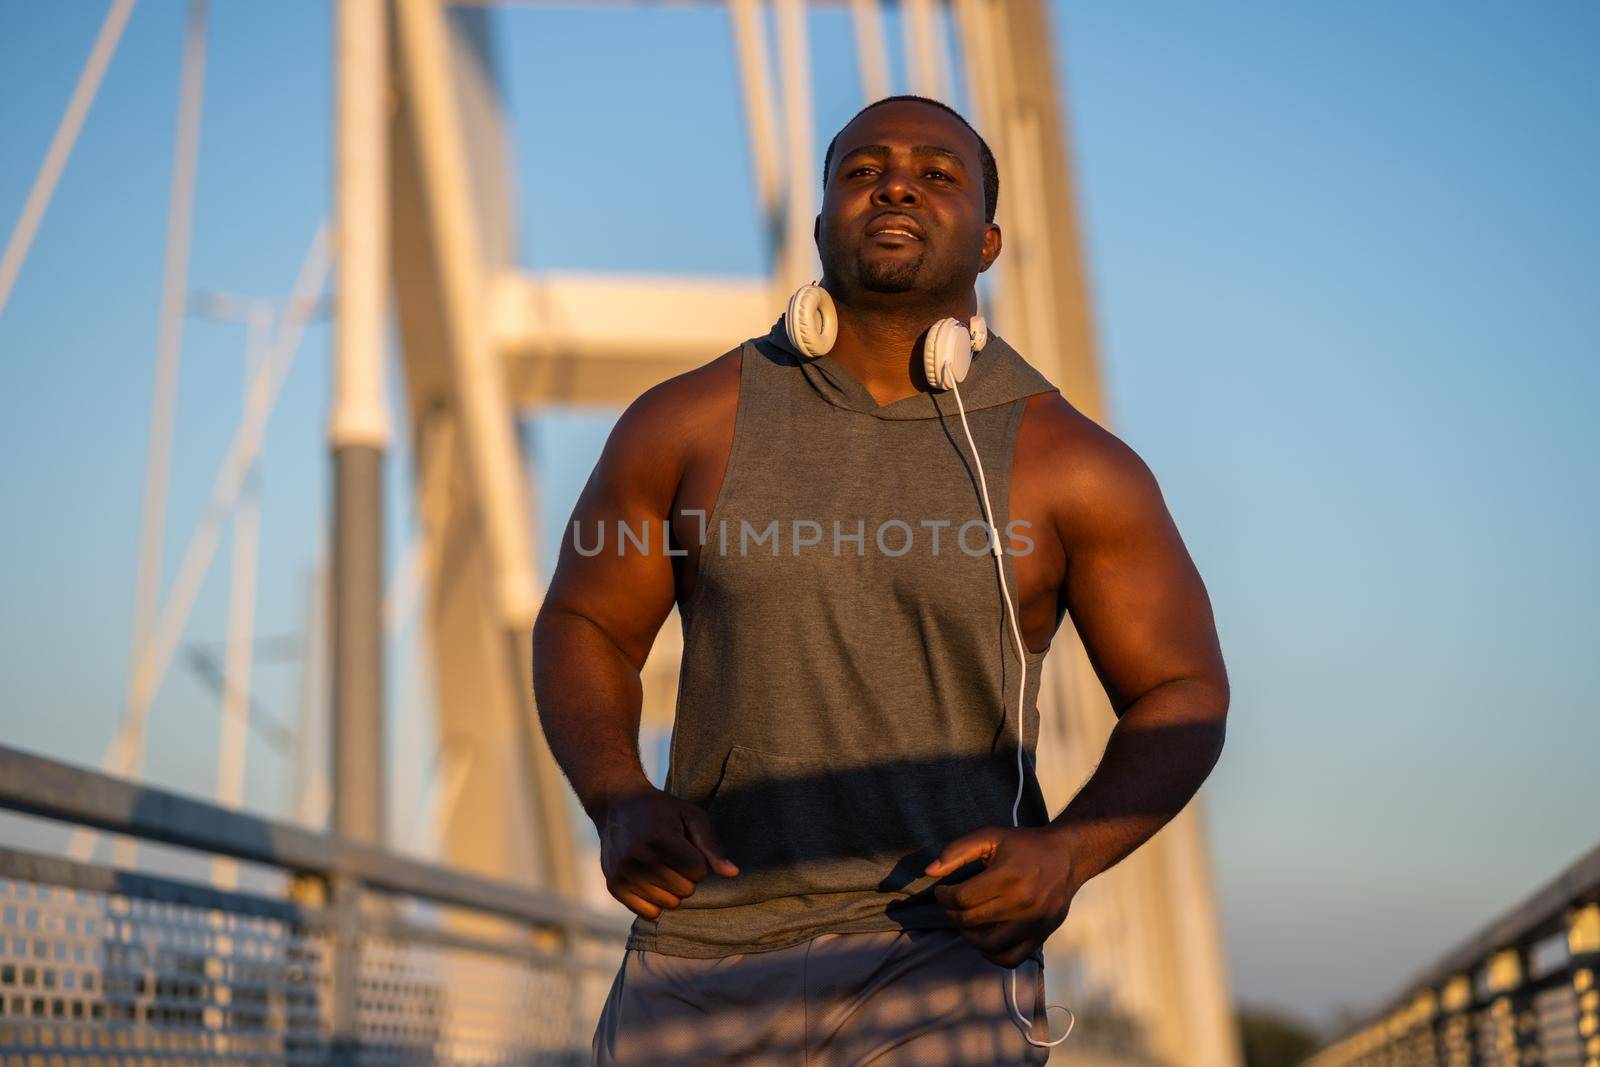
[(358, 430)]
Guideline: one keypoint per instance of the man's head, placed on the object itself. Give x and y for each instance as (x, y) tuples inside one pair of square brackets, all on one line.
[(908, 164), (991, 173)]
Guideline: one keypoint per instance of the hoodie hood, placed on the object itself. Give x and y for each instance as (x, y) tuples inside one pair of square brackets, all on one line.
[(999, 375)]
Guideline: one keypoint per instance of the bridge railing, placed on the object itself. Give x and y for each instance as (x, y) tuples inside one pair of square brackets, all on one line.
[(364, 957), (1521, 992)]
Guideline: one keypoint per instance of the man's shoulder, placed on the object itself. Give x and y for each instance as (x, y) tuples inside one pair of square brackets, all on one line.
[(1085, 466), (1053, 429), (673, 421), (706, 384), (687, 399)]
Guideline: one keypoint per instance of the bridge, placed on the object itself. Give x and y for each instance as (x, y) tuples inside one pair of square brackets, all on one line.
[(1520, 992)]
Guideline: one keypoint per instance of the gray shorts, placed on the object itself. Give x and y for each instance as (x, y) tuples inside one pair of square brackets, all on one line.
[(923, 997)]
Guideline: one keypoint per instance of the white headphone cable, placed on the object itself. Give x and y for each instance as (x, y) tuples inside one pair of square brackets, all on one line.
[(1022, 697)]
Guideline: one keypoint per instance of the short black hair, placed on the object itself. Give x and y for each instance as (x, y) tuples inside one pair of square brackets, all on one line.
[(991, 173)]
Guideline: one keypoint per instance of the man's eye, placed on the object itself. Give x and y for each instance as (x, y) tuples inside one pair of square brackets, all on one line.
[(940, 173), (858, 170)]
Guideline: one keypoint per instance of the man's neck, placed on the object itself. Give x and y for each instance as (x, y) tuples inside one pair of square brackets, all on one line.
[(882, 347)]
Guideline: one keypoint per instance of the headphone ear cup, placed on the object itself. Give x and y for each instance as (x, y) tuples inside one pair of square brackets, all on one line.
[(811, 320), (980, 332), (946, 353), (930, 355)]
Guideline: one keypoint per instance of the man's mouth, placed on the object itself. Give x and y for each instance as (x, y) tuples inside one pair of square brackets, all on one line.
[(895, 227)]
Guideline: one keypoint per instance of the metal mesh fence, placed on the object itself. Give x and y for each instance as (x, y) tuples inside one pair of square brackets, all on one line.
[(104, 967), (120, 969)]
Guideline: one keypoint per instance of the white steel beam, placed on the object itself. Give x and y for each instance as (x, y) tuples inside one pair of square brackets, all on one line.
[(797, 260), (760, 114), (232, 740), (452, 225), (872, 53), (164, 400), (565, 343), (359, 414), (488, 436), (925, 54), (55, 158)]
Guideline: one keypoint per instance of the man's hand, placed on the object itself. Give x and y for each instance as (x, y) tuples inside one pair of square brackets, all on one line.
[(1019, 898), (654, 848)]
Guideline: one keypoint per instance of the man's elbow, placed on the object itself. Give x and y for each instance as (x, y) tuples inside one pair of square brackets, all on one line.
[(1204, 710), (1212, 708)]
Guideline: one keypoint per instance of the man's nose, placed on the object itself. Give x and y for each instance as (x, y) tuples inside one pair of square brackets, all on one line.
[(897, 190)]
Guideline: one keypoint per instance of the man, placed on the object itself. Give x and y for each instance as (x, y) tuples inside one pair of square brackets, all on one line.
[(832, 873)]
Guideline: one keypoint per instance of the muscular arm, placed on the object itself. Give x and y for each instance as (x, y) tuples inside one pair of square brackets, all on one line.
[(603, 611), (605, 606), (1142, 612), (1141, 609)]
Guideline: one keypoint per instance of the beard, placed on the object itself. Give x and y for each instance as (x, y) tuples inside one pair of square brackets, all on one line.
[(889, 276)]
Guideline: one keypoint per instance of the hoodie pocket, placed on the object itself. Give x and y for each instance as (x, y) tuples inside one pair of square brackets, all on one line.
[(796, 828)]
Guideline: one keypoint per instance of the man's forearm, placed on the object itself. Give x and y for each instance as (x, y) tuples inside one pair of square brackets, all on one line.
[(1159, 753), (589, 698)]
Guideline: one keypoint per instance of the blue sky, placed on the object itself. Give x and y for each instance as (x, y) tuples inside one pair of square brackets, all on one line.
[(1343, 269)]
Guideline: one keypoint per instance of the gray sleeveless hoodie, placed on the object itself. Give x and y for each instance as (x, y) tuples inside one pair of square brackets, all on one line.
[(846, 653)]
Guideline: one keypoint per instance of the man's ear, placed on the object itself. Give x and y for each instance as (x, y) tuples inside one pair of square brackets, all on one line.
[(991, 246)]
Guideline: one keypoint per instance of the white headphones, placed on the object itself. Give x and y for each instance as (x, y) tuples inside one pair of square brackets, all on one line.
[(812, 324)]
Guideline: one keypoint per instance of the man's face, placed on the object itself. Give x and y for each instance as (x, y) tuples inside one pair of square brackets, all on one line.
[(902, 209)]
